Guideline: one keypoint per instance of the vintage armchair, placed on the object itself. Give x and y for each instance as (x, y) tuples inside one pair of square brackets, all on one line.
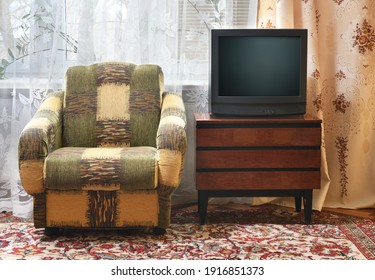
[(107, 152)]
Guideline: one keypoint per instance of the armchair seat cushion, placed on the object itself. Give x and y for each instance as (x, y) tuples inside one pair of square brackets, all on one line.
[(107, 169)]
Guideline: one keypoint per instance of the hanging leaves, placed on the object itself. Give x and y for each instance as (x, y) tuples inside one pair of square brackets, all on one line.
[(44, 20)]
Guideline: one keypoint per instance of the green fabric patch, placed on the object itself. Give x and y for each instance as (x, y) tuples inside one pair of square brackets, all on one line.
[(79, 131), (80, 79), (143, 127), (138, 166), (147, 77), (62, 169), (80, 107)]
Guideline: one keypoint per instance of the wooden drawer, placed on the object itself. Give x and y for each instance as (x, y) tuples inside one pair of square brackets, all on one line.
[(258, 136), (258, 180), (216, 159)]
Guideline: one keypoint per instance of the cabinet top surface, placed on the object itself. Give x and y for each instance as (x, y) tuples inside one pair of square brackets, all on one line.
[(208, 118)]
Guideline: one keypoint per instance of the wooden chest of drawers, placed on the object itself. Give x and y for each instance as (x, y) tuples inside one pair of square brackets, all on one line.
[(257, 157)]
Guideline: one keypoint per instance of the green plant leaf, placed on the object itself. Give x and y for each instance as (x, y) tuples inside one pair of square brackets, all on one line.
[(2, 73), (10, 53), (4, 62)]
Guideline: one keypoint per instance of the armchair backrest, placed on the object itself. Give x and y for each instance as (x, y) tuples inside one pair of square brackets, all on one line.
[(112, 104)]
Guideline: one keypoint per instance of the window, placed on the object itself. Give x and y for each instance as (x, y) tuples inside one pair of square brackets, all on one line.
[(195, 21), (57, 34)]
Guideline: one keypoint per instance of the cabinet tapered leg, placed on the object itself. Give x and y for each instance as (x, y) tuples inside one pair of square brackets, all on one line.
[(202, 206), (307, 204)]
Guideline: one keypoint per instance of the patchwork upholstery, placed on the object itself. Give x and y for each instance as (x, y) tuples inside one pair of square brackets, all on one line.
[(108, 151), (107, 169), (112, 104)]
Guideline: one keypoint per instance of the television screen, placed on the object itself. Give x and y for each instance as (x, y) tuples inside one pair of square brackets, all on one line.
[(248, 64), (258, 71)]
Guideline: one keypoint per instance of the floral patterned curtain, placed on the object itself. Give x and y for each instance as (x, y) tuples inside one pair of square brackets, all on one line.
[(341, 90), (40, 39)]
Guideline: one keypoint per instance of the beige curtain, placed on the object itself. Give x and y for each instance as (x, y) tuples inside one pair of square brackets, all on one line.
[(341, 90)]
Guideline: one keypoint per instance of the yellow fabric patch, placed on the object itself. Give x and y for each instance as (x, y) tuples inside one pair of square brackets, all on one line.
[(170, 163), (137, 208), (102, 153), (173, 101), (67, 209), (113, 102), (51, 103), (39, 123), (156, 178), (173, 120), (31, 174)]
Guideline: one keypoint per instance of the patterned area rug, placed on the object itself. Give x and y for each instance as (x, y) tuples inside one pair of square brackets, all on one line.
[(259, 233)]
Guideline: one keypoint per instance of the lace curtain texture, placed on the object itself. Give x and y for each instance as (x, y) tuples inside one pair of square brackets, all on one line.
[(40, 39)]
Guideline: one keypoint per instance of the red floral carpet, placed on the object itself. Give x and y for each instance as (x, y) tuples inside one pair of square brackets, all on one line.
[(260, 233)]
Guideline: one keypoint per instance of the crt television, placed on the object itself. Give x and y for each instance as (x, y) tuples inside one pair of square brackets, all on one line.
[(258, 72)]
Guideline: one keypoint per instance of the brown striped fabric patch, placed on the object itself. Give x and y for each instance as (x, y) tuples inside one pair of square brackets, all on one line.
[(113, 133), (113, 73), (100, 167), (143, 101), (83, 103), (39, 213), (102, 208)]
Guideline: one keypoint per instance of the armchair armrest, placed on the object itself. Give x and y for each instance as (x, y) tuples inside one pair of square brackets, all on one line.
[(41, 136), (171, 142)]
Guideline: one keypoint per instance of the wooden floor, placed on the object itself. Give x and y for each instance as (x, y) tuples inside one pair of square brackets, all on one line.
[(368, 213)]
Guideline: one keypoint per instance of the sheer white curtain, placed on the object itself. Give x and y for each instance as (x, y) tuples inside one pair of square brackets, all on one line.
[(32, 48), (39, 39)]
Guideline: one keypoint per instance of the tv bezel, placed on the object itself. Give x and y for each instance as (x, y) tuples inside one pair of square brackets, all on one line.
[(256, 105)]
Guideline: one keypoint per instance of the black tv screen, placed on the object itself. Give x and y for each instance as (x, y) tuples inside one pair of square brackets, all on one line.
[(258, 72)]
